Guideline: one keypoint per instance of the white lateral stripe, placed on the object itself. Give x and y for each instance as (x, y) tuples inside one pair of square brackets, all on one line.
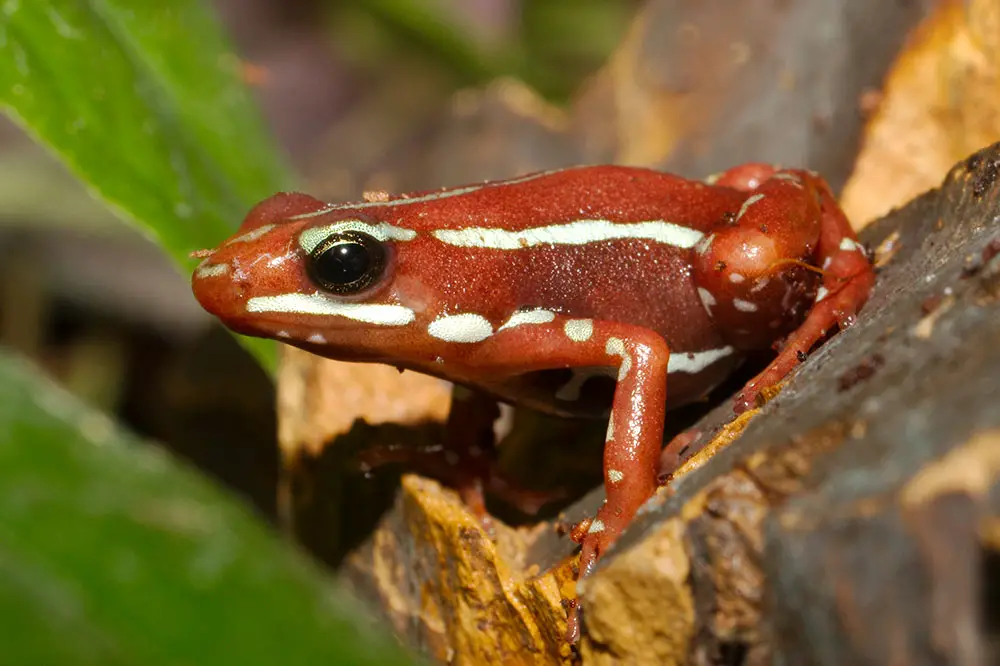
[(695, 362), (251, 235), (538, 316), (382, 314), (466, 327), (433, 196), (310, 238), (578, 232)]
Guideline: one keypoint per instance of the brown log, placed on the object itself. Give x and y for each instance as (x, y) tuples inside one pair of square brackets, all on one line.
[(855, 519)]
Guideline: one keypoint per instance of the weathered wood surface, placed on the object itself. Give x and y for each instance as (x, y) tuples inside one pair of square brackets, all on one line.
[(856, 519)]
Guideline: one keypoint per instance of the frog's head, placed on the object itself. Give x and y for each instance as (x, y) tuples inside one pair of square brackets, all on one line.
[(318, 276)]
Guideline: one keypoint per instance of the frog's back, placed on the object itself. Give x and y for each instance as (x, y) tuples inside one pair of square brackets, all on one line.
[(600, 243)]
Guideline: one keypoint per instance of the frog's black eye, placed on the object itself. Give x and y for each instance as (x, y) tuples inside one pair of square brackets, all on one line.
[(347, 262)]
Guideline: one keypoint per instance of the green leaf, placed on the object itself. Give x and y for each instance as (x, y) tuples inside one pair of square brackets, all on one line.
[(142, 99), (110, 553)]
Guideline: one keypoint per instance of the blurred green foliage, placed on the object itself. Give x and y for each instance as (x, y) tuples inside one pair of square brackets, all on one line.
[(143, 101), (552, 46), (110, 553)]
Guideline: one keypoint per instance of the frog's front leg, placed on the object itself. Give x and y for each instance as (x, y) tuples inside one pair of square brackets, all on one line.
[(542, 340), (756, 271)]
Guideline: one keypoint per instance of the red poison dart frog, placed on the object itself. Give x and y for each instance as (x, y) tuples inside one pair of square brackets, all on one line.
[(602, 290)]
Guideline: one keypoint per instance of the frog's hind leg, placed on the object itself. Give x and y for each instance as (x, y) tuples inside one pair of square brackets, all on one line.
[(812, 229), (760, 268), (466, 459)]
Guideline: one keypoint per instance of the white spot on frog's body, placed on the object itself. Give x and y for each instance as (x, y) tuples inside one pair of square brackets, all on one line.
[(464, 328), (704, 244), (528, 317), (579, 330), (849, 245), (751, 200), (760, 284), (596, 526), (310, 238), (694, 362), (615, 347), (707, 300), (207, 270), (615, 476), (283, 334), (251, 235), (316, 339), (821, 293), (610, 435), (381, 314), (744, 306), (578, 232), (736, 278)]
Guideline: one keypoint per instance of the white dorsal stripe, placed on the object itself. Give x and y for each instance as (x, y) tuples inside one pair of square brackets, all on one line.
[(310, 238), (433, 196), (382, 314), (467, 327), (578, 232), (695, 362)]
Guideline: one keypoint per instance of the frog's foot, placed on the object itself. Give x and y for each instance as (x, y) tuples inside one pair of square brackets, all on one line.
[(595, 536), (837, 305), (673, 454)]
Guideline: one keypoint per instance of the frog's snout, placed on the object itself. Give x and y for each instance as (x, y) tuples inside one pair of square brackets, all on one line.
[(214, 288)]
